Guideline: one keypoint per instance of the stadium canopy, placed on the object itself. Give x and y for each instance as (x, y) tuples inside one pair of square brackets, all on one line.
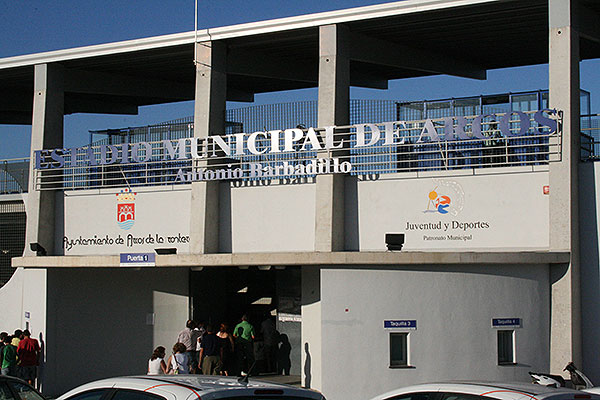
[(387, 41)]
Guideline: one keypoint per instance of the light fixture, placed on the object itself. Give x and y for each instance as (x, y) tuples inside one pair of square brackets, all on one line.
[(394, 241), (38, 248), (197, 269), (264, 267), (166, 250)]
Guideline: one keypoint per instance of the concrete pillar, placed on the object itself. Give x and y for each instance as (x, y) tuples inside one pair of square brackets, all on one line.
[(209, 119), (565, 339), (333, 109), (46, 133)]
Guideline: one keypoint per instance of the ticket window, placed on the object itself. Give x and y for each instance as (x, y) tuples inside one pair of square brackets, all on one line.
[(506, 347), (399, 350)]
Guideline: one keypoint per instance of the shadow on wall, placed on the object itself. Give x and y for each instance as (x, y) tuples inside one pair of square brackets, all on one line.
[(42, 362), (102, 315), (307, 366)]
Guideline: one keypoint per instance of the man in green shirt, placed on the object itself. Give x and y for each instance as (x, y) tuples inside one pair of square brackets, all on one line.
[(247, 332), (244, 335), (9, 358)]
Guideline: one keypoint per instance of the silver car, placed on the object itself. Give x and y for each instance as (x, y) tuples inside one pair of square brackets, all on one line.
[(187, 387), (484, 391)]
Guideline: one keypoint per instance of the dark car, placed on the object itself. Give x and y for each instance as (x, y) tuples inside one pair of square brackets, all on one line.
[(17, 389)]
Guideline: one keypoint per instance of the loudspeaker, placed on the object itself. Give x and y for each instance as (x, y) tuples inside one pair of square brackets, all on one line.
[(166, 250), (38, 248), (394, 241)]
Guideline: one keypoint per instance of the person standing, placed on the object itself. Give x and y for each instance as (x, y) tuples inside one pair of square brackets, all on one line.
[(271, 339), (211, 352), (197, 333), (244, 335), (185, 337), (28, 352), (9, 358), (16, 338), (284, 363), (3, 335), (156, 363), (227, 346)]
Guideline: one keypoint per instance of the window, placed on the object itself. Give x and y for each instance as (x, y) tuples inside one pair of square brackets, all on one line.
[(460, 396), (414, 396), (135, 395), (398, 349), (5, 393), (506, 348), (95, 394), (25, 392)]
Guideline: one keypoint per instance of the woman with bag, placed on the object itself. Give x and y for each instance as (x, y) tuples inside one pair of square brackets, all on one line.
[(179, 362)]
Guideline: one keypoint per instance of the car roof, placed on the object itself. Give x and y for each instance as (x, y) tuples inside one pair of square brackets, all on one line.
[(192, 386), (498, 390)]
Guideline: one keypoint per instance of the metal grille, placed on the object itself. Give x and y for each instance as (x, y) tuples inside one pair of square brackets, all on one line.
[(12, 239), (590, 137), (14, 175), (274, 116), (412, 154)]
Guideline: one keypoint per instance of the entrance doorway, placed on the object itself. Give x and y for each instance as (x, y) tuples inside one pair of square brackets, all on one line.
[(265, 295)]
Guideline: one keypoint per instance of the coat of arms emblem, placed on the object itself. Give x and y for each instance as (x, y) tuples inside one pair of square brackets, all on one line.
[(126, 209)]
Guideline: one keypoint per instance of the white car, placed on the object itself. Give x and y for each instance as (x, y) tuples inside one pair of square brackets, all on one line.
[(484, 391), (186, 387)]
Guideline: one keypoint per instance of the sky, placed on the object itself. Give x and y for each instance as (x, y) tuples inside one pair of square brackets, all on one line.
[(34, 26)]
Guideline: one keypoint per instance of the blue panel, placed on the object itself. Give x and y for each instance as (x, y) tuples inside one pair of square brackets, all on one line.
[(401, 323)]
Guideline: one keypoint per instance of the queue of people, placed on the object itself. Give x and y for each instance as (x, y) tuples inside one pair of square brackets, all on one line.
[(19, 355), (203, 349)]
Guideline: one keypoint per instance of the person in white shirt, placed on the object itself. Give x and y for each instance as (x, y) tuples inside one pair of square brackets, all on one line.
[(156, 363)]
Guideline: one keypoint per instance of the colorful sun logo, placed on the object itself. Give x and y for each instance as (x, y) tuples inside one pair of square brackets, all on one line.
[(447, 197), (440, 202)]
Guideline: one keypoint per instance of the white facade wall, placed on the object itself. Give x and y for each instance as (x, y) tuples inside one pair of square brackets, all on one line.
[(454, 339), (23, 300), (269, 218), (501, 209), (161, 220)]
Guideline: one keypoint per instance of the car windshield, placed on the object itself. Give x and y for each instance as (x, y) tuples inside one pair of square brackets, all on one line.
[(25, 392)]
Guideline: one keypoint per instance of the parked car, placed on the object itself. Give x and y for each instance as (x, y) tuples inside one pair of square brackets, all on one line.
[(17, 389), (187, 387), (484, 391)]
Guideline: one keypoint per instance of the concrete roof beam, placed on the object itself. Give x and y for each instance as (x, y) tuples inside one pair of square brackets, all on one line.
[(246, 63), (98, 106), (382, 52), (589, 24), (79, 81)]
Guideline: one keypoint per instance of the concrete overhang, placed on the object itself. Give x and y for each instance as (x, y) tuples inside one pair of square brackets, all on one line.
[(348, 259), (394, 40)]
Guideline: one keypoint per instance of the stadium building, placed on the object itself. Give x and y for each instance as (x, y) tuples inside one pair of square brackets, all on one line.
[(393, 242)]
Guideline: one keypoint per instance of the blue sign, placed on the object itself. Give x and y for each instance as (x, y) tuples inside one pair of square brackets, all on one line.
[(506, 322), (401, 324), (137, 259), (27, 315)]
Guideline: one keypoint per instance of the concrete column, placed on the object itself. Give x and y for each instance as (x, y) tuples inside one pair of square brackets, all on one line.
[(46, 133), (209, 119), (334, 109), (565, 339)]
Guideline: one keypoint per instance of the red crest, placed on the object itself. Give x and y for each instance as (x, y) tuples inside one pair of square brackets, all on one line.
[(125, 212)]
